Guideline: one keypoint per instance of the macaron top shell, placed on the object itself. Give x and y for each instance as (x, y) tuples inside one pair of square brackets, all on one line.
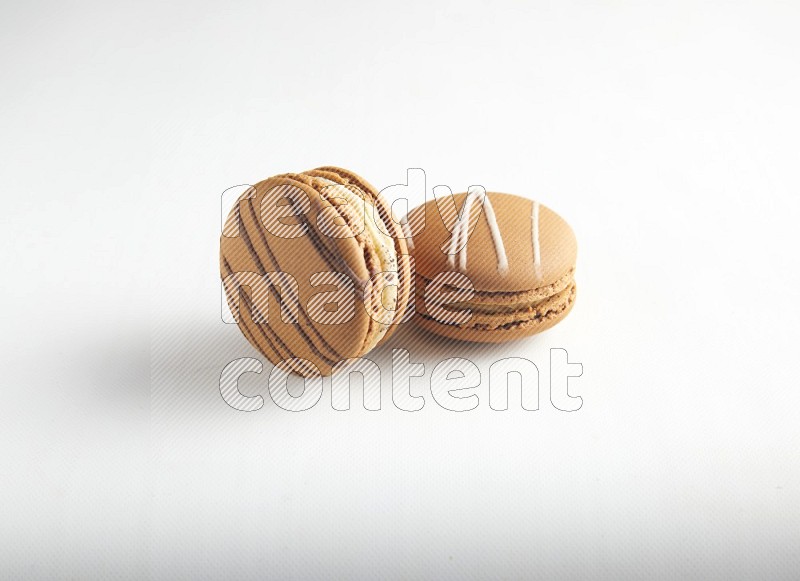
[(516, 245)]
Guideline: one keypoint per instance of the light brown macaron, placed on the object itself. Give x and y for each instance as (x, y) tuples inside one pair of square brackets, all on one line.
[(505, 274), (315, 270)]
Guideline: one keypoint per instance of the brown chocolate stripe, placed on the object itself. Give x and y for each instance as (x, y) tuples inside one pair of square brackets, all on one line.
[(287, 356), (261, 328), (324, 250), (245, 235), (334, 260), (337, 356), (249, 334), (329, 256)]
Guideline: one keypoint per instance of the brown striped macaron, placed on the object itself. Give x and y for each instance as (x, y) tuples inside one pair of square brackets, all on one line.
[(314, 268), (506, 273)]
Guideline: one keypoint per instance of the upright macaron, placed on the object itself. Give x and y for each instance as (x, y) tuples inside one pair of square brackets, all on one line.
[(314, 268), (491, 267)]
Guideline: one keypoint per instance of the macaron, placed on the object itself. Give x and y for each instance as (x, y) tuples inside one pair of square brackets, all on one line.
[(314, 268), (491, 267)]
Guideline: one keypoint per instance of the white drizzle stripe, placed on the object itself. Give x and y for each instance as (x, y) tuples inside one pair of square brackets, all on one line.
[(461, 230), (537, 257), (497, 239), (455, 235), (463, 235)]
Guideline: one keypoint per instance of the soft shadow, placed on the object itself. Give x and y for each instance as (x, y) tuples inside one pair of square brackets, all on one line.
[(424, 346), (186, 360)]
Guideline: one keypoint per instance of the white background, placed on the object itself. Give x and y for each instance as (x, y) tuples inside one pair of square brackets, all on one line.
[(665, 133)]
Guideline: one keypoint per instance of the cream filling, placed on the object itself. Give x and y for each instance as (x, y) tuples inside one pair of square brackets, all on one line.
[(383, 246)]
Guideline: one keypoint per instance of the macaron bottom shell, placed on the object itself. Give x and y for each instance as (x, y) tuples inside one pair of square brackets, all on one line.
[(503, 325)]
